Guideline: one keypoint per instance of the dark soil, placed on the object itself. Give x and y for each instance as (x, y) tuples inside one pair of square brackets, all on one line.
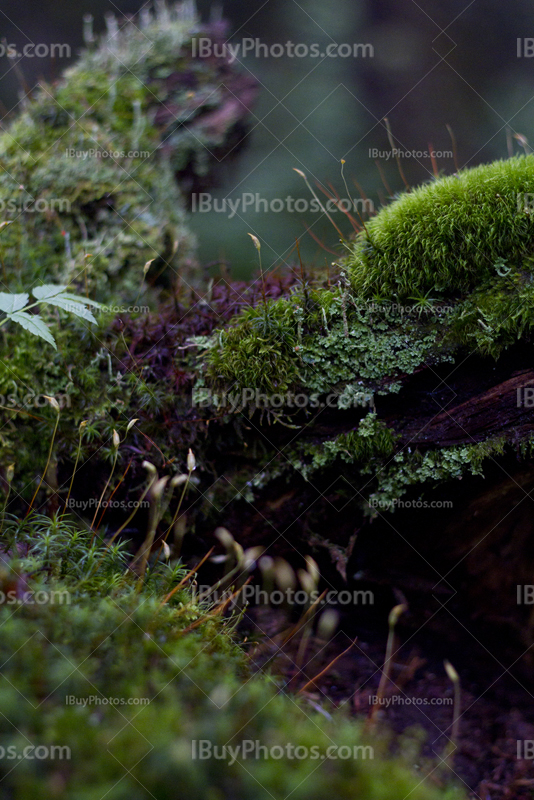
[(497, 696)]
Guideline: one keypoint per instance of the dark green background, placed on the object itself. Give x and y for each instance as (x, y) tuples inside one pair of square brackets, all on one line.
[(435, 63)]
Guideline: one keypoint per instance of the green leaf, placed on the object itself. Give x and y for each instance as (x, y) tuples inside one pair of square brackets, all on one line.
[(12, 302), (85, 300), (34, 324), (47, 290), (73, 306), (50, 290)]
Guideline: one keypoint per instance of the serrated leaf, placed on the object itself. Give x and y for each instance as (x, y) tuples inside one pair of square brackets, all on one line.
[(13, 302), (72, 306), (47, 290), (34, 324), (85, 300)]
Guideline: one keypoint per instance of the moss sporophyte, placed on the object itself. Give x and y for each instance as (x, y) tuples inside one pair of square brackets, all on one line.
[(446, 269), (443, 272)]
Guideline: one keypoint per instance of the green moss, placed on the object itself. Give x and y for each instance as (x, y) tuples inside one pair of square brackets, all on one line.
[(409, 469), (323, 342), (115, 678), (447, 235), (89, 167), (498, 313), (372, 440), (259, 350), (445, 270)]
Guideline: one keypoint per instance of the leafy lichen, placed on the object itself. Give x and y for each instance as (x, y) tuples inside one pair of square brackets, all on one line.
[(444, 270)]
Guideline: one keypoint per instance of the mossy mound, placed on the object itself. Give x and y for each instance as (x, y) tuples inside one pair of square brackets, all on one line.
[(448, 235), (323, 341), (106, 690), (90, 167), (442, 274)]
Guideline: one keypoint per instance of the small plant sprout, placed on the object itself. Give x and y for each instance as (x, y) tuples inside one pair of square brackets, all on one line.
[(131, 424), (309, 580), (10, 472), (454, 147), (328, 624), (116, 441), (81, 428), (422, 302), (159, 500), (394, 616), (395, 150), (316, 198), (191, 461), (349, 196), (453, 742), (158, 506), (523, 142), (143, 278), (257, 245), (309, 577), (55, 405), (179, 480), (312, 684), (238, 564), (16, 307), (88, 31)]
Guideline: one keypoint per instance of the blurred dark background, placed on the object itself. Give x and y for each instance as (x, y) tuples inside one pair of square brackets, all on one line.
[(435, 63)]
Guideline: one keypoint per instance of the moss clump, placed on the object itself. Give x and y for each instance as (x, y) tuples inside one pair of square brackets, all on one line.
[(418, 471), (443, 272), (371, 441), (89, 169), (124, 686), (323, 342), (95, 171), (498, 312), (447, 235)]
